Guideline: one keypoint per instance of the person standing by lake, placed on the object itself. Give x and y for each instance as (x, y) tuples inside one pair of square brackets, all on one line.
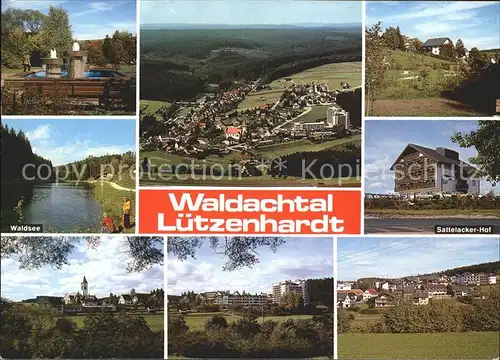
[(127, 208), (27, 63)]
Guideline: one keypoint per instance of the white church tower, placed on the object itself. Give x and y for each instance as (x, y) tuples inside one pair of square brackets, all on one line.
[(85, 287)]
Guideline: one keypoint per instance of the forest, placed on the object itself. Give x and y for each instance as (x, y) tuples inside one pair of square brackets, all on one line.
[(16, 153), (28, 333), (179, 64), (246, 338)]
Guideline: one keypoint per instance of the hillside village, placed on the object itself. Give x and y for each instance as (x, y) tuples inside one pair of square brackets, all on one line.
[(382, 293), (215, 126), (85, 302)]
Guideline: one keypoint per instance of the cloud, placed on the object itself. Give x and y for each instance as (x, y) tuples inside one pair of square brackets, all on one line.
[(94, 7), (40, 133), (396, 257), (449, 10), (206, 274), (104, 268), (92, 31), (30, 4)]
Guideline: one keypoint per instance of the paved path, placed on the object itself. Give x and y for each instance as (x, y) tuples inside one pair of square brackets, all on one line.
[(114, 185), (423, 226)]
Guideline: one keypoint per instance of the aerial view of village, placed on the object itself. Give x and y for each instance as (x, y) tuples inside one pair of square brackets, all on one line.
[(428, 173), (259, 100), (434, 58), (244, 297), (69, 57), (68, 176), (418, 298), (82, 297)]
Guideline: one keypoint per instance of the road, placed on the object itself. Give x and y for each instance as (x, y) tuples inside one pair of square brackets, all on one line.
[(114, 185), (422, 226), (295, 118)]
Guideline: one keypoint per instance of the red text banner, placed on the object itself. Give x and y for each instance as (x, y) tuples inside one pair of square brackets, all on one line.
[(249, 211)]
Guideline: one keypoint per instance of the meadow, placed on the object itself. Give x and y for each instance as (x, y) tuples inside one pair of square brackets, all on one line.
[(406, 93), (467, 345), (196, 321)]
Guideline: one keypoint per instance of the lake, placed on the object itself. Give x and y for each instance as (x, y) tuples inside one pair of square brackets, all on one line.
[(58, 207)]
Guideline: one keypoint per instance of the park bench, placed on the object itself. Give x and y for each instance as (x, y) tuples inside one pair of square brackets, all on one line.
[(102, 91)]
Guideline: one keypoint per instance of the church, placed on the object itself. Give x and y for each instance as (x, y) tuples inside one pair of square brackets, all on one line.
[(83, 298)]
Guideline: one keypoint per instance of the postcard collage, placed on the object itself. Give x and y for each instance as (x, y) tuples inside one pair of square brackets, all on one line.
[(190, 179)]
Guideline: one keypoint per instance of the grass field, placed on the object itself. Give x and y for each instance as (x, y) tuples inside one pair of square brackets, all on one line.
[(331, 74), (152, 106), (158, 158), (317, 113), (406, 95), (280, 150), (468, 345), (433, 106), (196, 321), (155, 321)]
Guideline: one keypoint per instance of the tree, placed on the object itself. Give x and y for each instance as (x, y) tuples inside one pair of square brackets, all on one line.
[(375, 65), (448, 51), (240, 251), (39, 251), (56, 32), (486, 142), (459, 49), (393, 38)]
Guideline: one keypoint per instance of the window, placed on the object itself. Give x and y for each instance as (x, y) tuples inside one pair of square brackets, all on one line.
[(473, 182)]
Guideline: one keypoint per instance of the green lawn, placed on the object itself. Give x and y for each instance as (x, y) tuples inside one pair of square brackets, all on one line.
[(468, 345), (152, 106), (317, 113), (196, 321), (155, 321), (260, 98)]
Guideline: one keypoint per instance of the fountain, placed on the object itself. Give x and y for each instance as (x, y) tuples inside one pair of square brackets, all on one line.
[(77, 59), (53, 65)]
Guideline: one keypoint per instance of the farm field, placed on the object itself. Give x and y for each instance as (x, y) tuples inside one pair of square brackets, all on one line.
[(331, 74), (155, 321), (317, 113), (197, 320), (467, 345)]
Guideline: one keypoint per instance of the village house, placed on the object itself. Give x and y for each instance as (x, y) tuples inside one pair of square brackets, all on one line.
[(343, 285), (420, 299), (419, 169), (436, 291), (436, 45), (243, 299), (369, 293), (125, 299), (385, 300)]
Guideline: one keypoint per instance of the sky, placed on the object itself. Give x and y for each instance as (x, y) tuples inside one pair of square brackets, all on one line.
[(251, 12), (104, 268), (298, 258), (477, 23), (66, 140), (89, 19), (391, 257), (386, 139)]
